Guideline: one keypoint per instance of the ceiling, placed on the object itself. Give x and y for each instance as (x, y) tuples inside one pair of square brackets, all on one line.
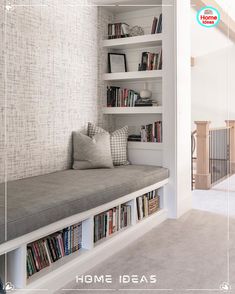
[(118, 6)]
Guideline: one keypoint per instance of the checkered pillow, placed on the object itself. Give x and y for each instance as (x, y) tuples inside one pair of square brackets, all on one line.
[(118, 142)]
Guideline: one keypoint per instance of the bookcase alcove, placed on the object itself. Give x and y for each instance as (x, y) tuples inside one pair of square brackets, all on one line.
[(162, 84)]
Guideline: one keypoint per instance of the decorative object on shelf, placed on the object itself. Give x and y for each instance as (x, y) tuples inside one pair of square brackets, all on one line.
[(117, 62), (145, 93), (118, 30), (136, 31)]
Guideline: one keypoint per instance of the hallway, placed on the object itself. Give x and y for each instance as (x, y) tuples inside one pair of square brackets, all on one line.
[(188, 255), (219, 199)]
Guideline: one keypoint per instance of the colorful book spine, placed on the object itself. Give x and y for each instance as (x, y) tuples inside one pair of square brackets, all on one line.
[(151, 61), (106, 223), (151, 132), (44, 252), (121, 97)]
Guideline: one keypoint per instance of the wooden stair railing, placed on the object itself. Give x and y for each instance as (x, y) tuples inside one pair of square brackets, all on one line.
[(231, 124), (204, 177), (193, 158)]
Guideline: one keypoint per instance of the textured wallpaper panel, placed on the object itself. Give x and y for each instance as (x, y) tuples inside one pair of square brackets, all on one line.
[(53, 84)]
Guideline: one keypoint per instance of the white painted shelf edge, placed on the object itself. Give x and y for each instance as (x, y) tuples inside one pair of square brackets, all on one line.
[(133, 75), (134, 42), (145, 145), (133, 110)]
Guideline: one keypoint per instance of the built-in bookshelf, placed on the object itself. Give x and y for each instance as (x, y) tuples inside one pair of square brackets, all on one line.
[(121, 108), (47, 251), (54, 251)]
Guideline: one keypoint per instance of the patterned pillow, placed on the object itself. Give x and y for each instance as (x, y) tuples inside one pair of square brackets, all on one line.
[(118, 142)]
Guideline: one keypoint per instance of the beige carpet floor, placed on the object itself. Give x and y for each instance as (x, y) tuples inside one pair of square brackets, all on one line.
[(189, 255)]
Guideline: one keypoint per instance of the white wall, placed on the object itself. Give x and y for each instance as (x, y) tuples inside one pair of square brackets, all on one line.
[(183, 90), (205, 40), (213, 87)]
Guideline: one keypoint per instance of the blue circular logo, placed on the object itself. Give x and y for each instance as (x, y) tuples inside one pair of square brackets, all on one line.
[(208, 17)]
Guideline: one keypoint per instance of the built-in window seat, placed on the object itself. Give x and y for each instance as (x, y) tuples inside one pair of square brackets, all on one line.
[(33, 203), (62, 224)]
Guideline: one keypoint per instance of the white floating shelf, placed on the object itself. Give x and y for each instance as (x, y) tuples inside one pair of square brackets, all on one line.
[(134, 42), (133, 75), (133, 110), (145, 145)]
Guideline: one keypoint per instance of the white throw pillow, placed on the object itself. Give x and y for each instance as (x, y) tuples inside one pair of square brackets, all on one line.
[(91, 152)]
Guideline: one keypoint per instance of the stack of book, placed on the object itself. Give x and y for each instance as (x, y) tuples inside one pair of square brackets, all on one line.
[(106, 223), (157, 25), (119, 97), (142, 102), (118, 30), (151, 61), (152, 132), (134, 138), (125, 215), (147, 204), (44, 252)]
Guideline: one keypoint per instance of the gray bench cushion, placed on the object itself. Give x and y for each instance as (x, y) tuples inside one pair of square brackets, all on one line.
[(39, 201)]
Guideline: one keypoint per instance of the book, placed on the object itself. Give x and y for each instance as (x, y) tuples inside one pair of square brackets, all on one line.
[(147, 204), (118, 30), (151, 132), (106, 223), (151, 61), (42, 253), (121, 97), (159, 25), (154, 25)]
